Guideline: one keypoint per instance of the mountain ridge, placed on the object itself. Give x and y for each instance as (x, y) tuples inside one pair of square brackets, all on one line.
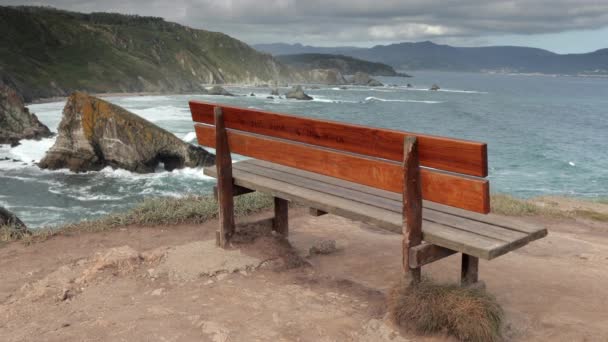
[(430, 56), (344, 64)]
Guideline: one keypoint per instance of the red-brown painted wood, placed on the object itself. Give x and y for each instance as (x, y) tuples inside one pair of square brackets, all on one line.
[(447, 154), (458, 191)]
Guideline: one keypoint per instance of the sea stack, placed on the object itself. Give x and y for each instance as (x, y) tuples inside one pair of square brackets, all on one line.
[(298, 94), (94, 133), (363, 79), (218, 90), (16, 121)]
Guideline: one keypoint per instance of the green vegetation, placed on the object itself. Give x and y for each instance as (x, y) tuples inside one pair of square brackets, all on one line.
[(511, 206), (469, 314), (345, 64), (48, 52), (150, 212)]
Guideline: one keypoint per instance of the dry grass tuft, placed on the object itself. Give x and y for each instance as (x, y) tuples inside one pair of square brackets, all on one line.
[(427, 308), (11, 233)]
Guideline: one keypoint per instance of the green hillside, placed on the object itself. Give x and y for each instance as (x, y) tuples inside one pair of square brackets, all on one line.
[(47, 52), (345, 64)]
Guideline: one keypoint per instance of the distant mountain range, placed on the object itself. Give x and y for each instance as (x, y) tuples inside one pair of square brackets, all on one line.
[(431, 56), (46, 52)]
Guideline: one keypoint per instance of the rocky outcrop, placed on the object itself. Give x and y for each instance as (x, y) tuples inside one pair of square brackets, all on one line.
[(363, 79), (217, 90), (298, 94), (434, 87), (9, 219), (94, 134), (16, 121), (326, 76)]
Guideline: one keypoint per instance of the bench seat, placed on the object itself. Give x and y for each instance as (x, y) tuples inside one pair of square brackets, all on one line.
[(482, 236)]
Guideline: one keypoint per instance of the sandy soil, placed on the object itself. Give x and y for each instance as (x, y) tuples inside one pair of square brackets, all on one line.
[(170, 284)]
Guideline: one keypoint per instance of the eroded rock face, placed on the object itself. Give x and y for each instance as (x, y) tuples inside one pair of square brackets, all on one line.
[(217, 90), (94, 134), (16, 121), (364, 79), (298, 94), (326, 76), (9, 219)]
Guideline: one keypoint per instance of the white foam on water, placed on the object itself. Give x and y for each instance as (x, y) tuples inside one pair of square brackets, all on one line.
[(30, 150), (160, 113), (192, 173), (190, 136), (372, 99), (138, 99), (460, 91)]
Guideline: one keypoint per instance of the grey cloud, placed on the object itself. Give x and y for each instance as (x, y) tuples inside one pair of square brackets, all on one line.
[(349, 21)]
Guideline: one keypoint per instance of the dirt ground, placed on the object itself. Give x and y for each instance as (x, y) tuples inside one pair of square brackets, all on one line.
[(171, 284)]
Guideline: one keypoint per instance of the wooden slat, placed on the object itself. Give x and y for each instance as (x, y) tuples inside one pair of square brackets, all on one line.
[(460, 191), (322, 184), (492, 219), (448, 237), (443, 153)]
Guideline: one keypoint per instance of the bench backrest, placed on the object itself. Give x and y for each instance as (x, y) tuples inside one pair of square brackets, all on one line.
[(451, 172)]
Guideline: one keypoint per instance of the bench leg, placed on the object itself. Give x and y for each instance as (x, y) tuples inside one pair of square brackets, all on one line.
[(223, 164), (469, 270), (281, 221), (412, 205)]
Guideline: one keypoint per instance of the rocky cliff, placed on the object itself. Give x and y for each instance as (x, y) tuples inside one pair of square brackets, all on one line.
[(94, 134), (16, 121), (49, 52)]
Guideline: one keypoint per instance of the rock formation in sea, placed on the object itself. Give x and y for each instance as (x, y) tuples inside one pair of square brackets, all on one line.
[(9, 219), (434, 87), (217, 90), (325, 76), (94, 134), (298, 94), (16, 121), (361, 78)]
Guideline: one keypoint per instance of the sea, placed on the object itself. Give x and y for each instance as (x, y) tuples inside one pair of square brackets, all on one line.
[(546, 135)]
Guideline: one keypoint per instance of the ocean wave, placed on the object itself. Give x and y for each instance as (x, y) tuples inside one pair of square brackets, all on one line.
[(182, 173), (162, 113), (377, 99), (28, 150), (461, 91), (84, 195), (189, 137), (444, 90)]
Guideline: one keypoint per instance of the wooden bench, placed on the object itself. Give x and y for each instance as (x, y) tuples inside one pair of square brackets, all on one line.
[(432, 189)]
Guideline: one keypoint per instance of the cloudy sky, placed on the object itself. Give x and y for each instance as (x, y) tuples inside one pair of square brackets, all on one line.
[(565, 26)]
